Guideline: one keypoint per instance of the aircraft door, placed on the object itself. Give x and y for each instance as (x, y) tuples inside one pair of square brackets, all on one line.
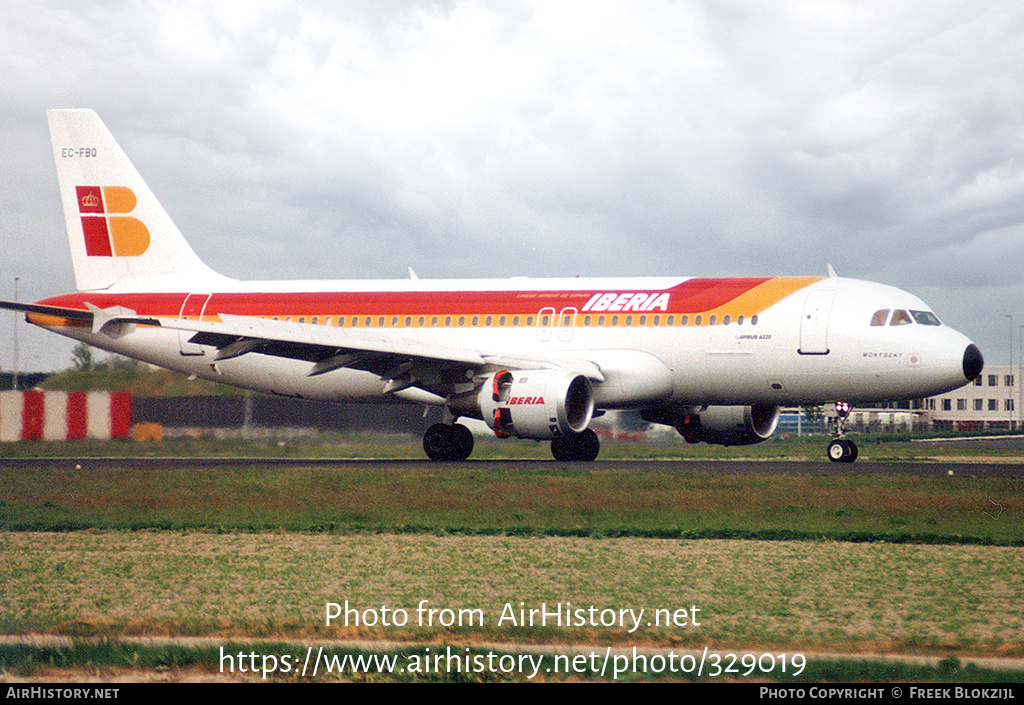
[(814, 322), (566, 323), (192, 307), (545, 323)]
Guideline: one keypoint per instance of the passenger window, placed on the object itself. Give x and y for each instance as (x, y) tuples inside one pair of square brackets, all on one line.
[(879, 318), (900, 318)]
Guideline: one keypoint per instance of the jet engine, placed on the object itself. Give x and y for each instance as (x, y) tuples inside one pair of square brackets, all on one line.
[(537, 404), (722, 425)]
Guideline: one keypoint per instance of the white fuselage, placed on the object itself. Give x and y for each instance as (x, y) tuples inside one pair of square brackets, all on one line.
[(814, 345)]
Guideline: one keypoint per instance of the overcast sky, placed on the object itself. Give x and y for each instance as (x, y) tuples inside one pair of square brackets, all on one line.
[(477, 139)]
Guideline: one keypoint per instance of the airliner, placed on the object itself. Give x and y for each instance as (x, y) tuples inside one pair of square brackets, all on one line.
[(715, 358)]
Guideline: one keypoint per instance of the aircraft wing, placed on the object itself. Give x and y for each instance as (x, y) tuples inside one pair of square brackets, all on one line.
[(400, 361)]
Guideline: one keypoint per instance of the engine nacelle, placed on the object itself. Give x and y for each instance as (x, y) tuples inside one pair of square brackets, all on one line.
[(722, 425), (537, 404)]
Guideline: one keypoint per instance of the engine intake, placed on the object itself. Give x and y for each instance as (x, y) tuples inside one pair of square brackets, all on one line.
[(537, 404)]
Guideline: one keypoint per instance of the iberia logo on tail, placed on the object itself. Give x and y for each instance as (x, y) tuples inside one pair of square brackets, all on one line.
[(108, 230)]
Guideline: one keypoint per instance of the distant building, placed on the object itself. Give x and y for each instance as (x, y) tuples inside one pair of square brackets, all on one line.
[(991, 402)]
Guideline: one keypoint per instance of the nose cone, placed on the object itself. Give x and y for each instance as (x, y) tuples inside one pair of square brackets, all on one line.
[(973, 362)]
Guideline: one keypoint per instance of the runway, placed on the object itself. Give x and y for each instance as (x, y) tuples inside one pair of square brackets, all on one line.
[(762, 467)]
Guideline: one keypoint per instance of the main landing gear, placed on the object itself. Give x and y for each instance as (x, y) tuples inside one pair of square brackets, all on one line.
[(448, 442), (576, 446), (454, 442), (840, 449)]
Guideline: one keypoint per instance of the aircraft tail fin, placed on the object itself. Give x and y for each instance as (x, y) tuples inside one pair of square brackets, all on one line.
[(118, 231)]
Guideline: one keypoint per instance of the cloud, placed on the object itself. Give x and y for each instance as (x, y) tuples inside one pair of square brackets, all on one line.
[(703, 137)]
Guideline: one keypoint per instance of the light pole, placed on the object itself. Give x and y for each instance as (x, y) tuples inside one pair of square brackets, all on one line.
[(1010, 316), (14, 375)]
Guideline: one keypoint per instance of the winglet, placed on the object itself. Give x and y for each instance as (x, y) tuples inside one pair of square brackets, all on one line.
[(831, 272)]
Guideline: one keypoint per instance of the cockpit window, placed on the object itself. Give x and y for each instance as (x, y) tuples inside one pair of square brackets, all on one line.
[(926, 318), (900, 318)]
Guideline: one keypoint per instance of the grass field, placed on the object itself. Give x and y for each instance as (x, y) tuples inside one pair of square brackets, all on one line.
[(770, 594), (628, 498), (858, 563)]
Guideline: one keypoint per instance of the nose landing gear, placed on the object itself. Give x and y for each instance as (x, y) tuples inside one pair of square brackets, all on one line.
[(840, 449)]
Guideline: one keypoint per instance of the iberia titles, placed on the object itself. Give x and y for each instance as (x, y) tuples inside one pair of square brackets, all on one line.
[(642, 301)]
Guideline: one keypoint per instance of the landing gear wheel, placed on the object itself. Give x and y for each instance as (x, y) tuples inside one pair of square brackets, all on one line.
[(583, 446), (461, 442), (435, 442), (448, 442), (836, 450), (853, 452), (842, 451)]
